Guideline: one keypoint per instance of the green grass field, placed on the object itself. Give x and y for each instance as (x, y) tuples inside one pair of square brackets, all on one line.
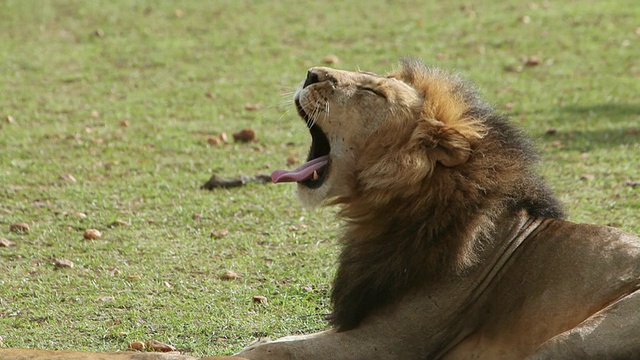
[(105, 111)]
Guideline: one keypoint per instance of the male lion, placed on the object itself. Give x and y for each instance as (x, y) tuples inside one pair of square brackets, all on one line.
[(453, 247)]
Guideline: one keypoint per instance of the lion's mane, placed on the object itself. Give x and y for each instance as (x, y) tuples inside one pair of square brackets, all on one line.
[(413, 217)]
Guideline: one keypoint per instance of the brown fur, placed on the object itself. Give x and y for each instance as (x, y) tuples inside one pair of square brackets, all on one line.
[(428, 187), (453, 247)]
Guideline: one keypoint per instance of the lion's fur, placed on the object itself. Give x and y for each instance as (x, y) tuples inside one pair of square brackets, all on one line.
[(453, 247), (411, 217)]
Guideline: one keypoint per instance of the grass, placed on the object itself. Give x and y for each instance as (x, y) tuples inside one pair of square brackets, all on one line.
[(75, 72)]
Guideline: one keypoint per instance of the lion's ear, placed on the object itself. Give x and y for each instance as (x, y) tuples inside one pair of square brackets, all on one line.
[(451, 147)]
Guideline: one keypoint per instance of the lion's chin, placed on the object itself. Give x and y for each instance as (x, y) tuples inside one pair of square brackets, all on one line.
[(311, 198)]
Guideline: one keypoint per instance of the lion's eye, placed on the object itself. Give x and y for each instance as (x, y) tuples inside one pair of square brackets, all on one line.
[(372, 91)]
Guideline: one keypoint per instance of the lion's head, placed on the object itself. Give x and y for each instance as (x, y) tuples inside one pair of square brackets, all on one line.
[(380, 134)]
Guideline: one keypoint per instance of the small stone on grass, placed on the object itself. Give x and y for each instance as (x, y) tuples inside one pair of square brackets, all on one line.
[(92, 234), (158, 346), (220, 233), (259, 299), (330, 59), (62, 263), (245, 135), (6, 242), (231, 275), (19, 227), (137, 345)]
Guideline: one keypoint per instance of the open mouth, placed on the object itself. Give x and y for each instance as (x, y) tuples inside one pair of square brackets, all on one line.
[(312, 173)]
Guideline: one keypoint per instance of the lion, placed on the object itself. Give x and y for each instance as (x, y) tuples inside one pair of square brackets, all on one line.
[(452, 247)]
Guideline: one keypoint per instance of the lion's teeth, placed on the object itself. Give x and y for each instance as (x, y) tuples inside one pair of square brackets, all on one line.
[(314, 176)]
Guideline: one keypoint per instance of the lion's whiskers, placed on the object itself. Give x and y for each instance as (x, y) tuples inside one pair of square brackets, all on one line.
[(313, 117), (288, 94), (283, 113)]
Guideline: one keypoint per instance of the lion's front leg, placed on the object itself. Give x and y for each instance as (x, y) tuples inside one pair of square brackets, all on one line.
[(323, 345), (419, 326), (611, 333), (291, 347), (359, 343)]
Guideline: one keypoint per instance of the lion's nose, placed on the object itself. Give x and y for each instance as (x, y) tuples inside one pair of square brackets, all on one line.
[(316, 75), (312, 78)]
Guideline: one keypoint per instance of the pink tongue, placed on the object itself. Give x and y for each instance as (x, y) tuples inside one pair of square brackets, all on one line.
[(302, 173)]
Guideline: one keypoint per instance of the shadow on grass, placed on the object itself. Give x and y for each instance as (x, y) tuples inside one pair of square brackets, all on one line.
[(620, 126), (604, 110)]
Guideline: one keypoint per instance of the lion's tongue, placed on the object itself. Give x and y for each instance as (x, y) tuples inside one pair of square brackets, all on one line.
[(302, 173)]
